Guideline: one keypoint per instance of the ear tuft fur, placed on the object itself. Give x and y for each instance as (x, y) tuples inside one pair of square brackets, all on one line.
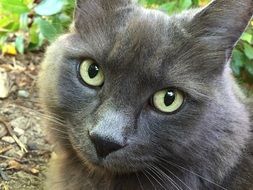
[(223, 21), (92, 14)]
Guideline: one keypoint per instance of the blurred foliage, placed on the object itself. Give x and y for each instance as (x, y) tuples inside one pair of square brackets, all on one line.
[(26, 25)]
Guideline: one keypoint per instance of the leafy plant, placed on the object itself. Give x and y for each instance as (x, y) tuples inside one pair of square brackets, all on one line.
[(242, 61), (28, 24)]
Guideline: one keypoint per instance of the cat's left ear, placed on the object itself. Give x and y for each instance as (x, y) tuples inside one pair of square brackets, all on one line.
[(92, 15), (221, 23)]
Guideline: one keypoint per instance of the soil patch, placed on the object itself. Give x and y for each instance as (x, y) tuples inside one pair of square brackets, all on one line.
[(24, 149)]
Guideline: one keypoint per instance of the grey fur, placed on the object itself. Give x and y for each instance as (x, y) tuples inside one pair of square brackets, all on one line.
[(207, 145)]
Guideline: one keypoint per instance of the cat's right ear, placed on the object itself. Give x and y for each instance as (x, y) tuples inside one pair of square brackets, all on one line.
[(92, 15), (222, 22), (216, 29)]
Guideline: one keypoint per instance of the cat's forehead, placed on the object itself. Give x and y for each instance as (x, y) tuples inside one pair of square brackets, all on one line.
[(146, 35), (146, 40), (149, 41)]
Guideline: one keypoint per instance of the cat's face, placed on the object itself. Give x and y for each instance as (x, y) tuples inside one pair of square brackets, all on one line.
[(136, 87)]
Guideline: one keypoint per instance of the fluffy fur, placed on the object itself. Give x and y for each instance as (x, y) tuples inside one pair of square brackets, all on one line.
[(207, 145)]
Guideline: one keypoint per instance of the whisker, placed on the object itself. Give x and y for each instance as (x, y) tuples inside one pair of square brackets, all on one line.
[(144, 172), (137, 176), (48, 116), (167, 169), (58, 130), (167, 177), (183, 168), (158, 176)]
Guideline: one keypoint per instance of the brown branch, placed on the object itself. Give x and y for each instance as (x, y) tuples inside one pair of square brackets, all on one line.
[(12, 134)]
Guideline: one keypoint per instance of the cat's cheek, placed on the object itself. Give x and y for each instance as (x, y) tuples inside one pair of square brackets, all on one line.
[(75, 96), (79, 139), (157, 128)]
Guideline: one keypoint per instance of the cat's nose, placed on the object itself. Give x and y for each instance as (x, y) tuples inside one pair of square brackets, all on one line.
[(103, 145)]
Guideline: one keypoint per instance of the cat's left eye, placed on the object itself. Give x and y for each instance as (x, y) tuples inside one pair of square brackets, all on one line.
[(91, 73), (168, 100)]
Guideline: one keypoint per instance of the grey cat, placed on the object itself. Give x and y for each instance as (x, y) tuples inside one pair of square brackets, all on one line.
[(139, 100)]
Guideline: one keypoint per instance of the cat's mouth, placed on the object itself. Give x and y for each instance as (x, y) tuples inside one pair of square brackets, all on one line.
[(121, 161), (112, 164), (118, 162)]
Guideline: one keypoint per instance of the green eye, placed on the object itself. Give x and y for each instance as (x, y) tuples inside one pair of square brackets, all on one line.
[(168, 101), (91, 73)]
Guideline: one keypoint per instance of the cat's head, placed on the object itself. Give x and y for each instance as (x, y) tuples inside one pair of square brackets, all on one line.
[(136, 87)]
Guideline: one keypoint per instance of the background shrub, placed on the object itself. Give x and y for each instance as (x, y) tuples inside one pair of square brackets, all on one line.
[(27, 25)]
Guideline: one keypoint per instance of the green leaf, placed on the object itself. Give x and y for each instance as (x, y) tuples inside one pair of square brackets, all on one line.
[(56, 22), (49, 7), (150, 2), (248, 50), (5, 21), (47, 30), (168, 7), (247, 37), (238, 61), (14, 6), (19, 43), (185, 4), (195, 2), (249, 67), (23, 21), (3, 39), (12, 27), (65, 19), (33, 34), (38, 44)]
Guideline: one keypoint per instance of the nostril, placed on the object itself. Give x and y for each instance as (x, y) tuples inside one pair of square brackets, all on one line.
[(103, 145)]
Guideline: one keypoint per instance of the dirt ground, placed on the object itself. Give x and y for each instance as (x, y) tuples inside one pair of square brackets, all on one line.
[(24, 149)]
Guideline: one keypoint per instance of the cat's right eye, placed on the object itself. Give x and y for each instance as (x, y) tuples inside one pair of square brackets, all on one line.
[(91, 73), (168, 100)]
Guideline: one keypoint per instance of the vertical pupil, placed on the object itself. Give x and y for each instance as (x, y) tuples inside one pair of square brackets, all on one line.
[(169, 97), (93, 70)]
